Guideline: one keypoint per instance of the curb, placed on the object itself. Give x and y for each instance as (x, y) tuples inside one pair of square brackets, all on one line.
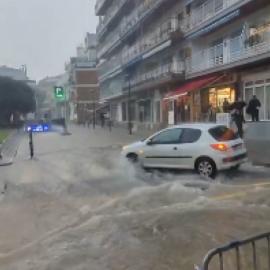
[(8, 161), (261, 164)]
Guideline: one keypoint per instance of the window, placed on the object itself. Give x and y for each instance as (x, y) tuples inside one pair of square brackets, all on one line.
[(222, 134), (259, 92), (190, 135), (170, 136)]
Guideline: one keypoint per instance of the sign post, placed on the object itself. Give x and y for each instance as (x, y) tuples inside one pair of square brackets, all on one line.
[(59, 93)]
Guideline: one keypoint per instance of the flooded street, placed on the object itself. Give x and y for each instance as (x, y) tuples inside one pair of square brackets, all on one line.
[(78, 210)]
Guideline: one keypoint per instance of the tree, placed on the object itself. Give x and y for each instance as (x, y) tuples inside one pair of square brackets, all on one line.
[(16, 97)]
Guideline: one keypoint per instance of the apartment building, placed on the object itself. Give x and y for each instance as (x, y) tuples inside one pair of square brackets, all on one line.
[(178, 58), (83, 80)]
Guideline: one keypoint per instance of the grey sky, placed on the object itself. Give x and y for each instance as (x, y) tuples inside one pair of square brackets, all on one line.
[(43, 33)]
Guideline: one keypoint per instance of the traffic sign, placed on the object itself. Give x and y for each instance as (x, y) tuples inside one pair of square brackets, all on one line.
[(38, 128), (59, 92)]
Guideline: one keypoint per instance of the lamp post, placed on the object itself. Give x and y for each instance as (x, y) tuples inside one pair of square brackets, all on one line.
[(94, 109), (129, 111)]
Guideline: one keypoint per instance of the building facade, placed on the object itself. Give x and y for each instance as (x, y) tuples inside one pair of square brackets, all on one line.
[(83, 81), (180, 58)]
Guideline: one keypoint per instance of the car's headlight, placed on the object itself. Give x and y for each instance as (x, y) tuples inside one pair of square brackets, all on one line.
[(125, 147)]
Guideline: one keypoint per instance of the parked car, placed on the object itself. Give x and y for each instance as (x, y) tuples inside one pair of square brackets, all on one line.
[(206, 148)]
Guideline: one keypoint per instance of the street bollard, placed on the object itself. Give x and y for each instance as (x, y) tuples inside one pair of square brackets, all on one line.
[(31, 144)]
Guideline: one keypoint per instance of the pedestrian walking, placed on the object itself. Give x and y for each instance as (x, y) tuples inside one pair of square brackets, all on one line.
[(237, 115), (253, 108)]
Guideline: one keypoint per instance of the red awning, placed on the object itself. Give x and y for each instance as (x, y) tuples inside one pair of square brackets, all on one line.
[(190, 86)]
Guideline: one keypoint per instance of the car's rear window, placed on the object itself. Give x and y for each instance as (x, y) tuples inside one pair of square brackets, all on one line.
[(223, 134)]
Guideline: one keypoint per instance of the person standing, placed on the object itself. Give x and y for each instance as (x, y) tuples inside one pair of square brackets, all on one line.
[(253, 108), (238, 116)]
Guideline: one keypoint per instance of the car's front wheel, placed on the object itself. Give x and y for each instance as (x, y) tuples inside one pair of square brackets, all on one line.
[(206, 167), (132, 158)]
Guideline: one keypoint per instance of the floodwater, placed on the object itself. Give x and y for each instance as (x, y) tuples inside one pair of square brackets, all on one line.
[(117, 217)]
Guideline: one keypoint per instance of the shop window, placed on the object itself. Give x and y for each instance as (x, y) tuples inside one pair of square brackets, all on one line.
[(268, 81), (259, 82), (248, 84), (248, 93), (259, 92), (157, 108)]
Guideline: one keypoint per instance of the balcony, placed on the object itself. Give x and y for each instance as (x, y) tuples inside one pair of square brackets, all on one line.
[(206, 12), (110, 41), (109, 67), (138, 14), (156, 76), (161, 34), (237, 51), (109, 16)]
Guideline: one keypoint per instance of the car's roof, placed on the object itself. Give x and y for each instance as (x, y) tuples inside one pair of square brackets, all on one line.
[(202, 126)]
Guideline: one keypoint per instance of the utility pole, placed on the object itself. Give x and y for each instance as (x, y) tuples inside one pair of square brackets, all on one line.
[(94, 109), (129, 109)]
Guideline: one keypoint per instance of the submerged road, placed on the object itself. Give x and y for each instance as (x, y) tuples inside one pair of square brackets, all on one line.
[(75, 206)]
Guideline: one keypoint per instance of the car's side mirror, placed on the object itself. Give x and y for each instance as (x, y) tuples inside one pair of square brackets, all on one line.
[(149, 142)]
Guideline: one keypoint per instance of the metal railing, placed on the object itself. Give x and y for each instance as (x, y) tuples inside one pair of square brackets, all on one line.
[(232, 51), (138, 14), (154, 38), (155, 74), (251, 241), (109, 42), (109, 16), (206, 11), (109, 66)]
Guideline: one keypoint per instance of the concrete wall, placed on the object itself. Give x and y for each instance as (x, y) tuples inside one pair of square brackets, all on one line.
[(257, 140)]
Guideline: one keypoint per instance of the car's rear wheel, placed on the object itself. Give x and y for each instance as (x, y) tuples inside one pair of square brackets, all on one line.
[(206, 167), (133, 158)]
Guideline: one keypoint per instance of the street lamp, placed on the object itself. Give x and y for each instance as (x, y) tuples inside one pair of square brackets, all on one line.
[(94, 109), (129, 116)]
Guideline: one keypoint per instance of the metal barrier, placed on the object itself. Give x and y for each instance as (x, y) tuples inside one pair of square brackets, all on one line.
[(235, 246)]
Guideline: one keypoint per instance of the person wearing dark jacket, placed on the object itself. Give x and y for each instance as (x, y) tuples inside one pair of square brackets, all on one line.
[(253, 108), (237, 115)]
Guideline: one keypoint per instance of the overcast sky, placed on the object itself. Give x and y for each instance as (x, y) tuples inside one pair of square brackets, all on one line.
[(43, 34)]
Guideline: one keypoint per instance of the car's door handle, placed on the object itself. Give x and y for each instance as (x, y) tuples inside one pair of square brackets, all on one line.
[(175, 148)]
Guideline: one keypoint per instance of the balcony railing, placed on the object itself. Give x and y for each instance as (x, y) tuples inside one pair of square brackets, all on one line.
[(235, 50), (205, 12), (110, 41), (138, 14), (109, 16), (156, 74), (154, 38), (110, 66)]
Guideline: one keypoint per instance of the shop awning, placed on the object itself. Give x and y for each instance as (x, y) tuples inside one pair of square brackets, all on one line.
[(191, 86)]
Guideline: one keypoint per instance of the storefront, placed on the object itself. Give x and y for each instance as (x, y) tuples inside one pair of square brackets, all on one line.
[(216, 99), (184, 104)]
